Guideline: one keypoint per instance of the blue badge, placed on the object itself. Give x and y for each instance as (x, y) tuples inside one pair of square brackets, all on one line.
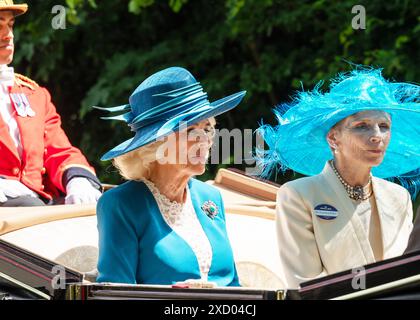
[(326, 212)]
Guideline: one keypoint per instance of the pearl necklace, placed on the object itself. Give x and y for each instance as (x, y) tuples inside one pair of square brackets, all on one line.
[(358, 193)]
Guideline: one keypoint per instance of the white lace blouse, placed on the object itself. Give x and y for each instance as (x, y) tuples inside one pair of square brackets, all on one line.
[(183, 220)]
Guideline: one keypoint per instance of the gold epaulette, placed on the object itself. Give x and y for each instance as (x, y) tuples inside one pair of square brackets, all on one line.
[(25, 81)]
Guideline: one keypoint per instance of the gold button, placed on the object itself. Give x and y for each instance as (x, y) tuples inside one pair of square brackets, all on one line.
[(42, 187), (43, 170), (16, 171)]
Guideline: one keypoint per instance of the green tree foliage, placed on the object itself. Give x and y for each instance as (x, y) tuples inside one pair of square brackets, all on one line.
[(269, 48)]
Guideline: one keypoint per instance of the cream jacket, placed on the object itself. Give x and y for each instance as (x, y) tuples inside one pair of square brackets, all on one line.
[(312, 247)]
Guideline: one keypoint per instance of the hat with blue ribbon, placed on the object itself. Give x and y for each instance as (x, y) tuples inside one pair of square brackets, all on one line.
[(161, 104), (299, 141)]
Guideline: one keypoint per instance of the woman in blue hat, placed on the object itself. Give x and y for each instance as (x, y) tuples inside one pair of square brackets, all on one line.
[(344, 215), (163, 226)]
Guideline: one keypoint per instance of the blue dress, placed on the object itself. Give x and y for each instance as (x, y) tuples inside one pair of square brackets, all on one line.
[(136, 245)]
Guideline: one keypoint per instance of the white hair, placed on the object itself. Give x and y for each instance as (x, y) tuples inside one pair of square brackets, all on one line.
[(138, 164)]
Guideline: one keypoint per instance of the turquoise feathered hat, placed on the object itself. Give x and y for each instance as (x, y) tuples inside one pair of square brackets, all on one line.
[(299, 142)]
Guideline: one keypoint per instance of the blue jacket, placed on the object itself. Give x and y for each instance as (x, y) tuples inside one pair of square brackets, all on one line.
[(136, 245)]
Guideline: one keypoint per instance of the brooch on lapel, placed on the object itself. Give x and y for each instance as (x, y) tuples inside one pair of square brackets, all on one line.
[(21, 104), (210, 208)]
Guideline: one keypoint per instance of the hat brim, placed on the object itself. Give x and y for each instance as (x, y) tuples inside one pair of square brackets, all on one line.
[(153, 132), (18, 9)]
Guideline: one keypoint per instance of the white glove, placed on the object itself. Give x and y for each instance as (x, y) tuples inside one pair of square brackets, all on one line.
[(13, 189), (80, 191)]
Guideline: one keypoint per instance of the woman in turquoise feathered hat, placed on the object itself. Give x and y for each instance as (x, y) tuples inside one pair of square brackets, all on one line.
[(162, 226), (344, 215)]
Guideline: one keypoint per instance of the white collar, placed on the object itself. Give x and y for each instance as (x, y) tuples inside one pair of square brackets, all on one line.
[(7, 75)]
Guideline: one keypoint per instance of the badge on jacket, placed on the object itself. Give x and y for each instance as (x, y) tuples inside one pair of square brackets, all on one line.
[(21, 105), (326, 211)]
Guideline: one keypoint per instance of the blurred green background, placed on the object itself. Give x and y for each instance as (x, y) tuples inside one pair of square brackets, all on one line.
[(263, 46)]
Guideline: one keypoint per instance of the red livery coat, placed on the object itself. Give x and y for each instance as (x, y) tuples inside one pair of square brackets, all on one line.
[(47, 152)]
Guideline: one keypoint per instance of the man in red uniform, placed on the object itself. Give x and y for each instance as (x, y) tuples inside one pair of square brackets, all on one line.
[(37, 162)]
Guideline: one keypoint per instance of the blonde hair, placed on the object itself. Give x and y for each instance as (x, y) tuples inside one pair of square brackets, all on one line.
[(137, 164)]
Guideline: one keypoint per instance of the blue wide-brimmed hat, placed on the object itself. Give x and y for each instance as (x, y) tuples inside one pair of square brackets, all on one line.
[(299, 141), (161, 104)]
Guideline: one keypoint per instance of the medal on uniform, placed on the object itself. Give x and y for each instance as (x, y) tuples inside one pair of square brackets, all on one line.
[(21, 104), (29, 111), (326, 212), (18, 104)]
